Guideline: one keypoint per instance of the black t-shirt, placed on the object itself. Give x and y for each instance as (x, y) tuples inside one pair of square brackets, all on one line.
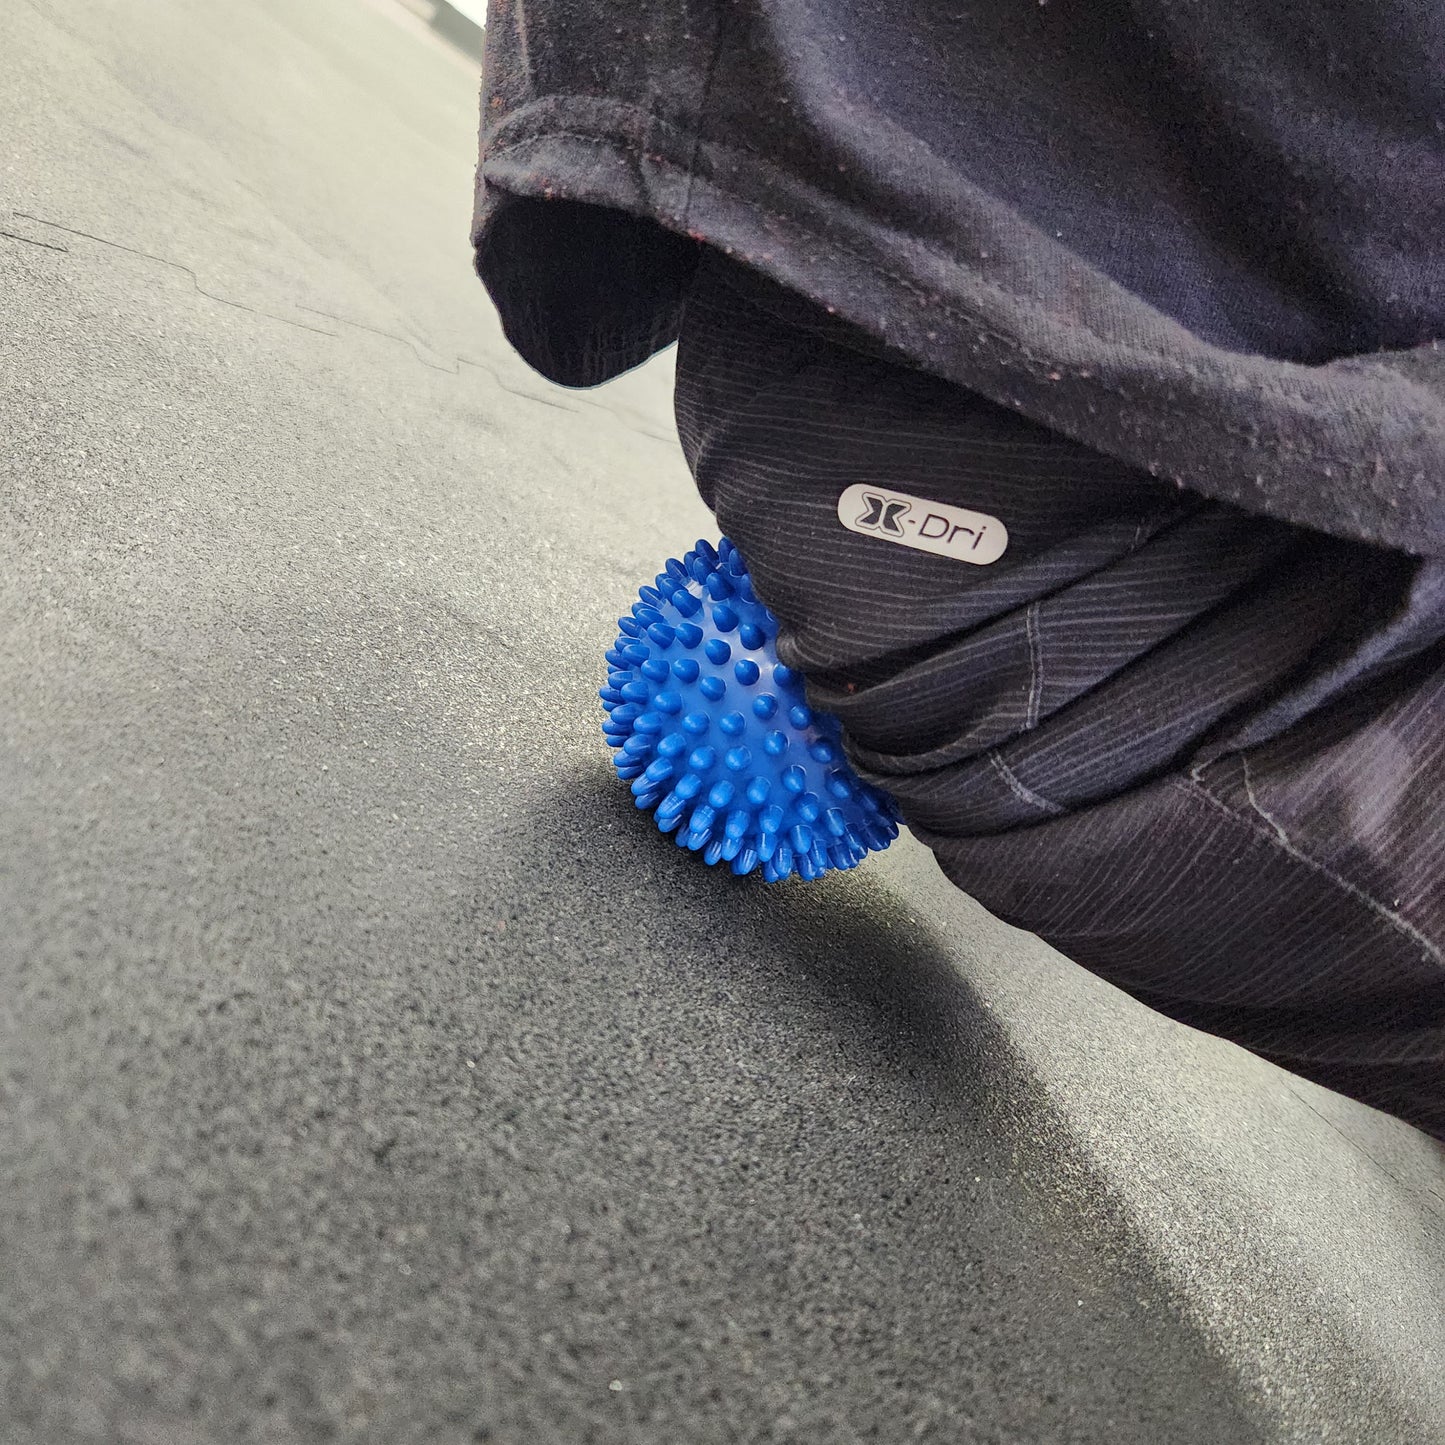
[(1206, 237)]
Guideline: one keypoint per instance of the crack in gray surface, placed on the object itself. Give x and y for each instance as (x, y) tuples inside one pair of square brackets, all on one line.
[(174, 265), (454, 370), (460, 359), (31, 241)]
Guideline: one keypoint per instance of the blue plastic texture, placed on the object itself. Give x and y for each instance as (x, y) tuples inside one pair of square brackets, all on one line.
[(714, 736)]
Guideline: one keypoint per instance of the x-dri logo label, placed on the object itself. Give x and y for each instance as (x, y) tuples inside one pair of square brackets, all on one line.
[(909, 521), (883, 513)]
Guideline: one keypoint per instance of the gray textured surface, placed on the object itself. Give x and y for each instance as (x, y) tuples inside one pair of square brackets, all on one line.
[(370, 1071)]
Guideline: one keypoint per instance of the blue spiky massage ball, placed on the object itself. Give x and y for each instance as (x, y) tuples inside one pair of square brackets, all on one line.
[(712, 731)]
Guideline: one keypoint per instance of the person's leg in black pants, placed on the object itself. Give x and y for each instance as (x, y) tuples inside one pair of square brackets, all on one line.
[(1199, 751)]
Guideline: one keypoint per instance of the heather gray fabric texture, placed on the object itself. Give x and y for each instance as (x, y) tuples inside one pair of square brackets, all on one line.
[(1158, 731), (1205, 237)]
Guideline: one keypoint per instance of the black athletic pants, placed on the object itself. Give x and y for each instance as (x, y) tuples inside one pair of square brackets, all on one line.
[(1199, 751)]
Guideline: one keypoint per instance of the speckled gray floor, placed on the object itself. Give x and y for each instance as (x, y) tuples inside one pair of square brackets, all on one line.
[(371, 1071)]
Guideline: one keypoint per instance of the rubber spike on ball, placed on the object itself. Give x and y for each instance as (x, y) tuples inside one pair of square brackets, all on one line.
[(714, 738)]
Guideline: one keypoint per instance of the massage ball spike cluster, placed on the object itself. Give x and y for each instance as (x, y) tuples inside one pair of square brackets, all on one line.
[(713, 734)]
